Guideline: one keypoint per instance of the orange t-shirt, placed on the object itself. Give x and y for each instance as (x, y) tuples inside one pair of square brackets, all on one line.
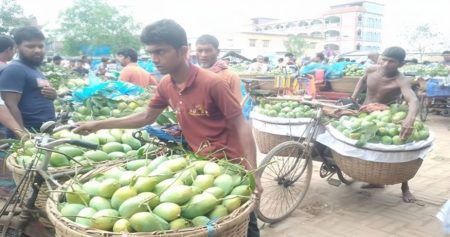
[(132, 73), (232, 79), (203, 109)]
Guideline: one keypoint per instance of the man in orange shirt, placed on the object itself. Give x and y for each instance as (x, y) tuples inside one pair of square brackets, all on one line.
[(207, 111), (131, 72), (207, 52)]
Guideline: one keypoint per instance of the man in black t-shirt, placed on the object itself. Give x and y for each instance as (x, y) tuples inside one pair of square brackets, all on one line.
[(25, 90)]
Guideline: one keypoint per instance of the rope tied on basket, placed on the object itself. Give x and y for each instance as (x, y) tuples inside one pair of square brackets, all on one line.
[(210, 226)]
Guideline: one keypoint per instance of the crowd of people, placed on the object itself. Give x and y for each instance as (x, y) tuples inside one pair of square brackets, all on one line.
[(123, 67), (308, 65)]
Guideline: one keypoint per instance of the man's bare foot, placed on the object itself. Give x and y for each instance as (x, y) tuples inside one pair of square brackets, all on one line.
[(367, 186), (406, 194), (408, 197)]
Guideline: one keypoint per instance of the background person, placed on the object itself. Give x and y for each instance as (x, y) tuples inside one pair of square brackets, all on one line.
[(24, 88), (207, 49), (384, 84), (131, 72)]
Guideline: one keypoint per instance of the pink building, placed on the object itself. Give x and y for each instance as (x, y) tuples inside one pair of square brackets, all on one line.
[(347, 27)]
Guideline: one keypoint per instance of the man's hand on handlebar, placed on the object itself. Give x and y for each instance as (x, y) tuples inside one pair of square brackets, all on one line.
[(85, 128)]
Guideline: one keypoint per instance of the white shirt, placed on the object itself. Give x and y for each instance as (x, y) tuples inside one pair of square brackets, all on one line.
[(1, 101)]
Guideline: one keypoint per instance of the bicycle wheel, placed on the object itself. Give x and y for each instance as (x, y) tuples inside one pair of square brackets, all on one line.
[(423, 108), (285, 175)]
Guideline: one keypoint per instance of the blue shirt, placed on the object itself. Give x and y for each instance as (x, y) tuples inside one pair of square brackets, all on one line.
[(34, 107)]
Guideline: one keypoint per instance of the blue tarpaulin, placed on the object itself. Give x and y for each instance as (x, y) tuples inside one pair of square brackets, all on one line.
[(110, 89)]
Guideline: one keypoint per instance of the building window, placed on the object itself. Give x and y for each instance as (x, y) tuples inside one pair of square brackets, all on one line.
[(252, 42), (266, 43)]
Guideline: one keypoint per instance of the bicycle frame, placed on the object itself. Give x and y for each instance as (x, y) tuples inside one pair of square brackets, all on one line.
[(43, 143), (307, 139)]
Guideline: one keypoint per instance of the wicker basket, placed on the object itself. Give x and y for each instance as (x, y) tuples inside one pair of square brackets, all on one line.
[(267, 141), (266, 84), (18, 172), (233, 225), (377, 172), (346, 84)]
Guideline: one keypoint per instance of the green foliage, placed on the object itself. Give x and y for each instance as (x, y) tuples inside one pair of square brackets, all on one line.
[(296, 45), (12, 16), (57, 75), (95, 23)]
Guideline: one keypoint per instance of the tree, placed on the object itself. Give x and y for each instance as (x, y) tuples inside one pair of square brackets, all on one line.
[(91, 24), (296, 45), (423, 39), (12, 16)]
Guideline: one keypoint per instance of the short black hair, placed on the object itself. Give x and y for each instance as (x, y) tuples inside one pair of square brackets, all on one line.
[(57, 57), (130, 53), (208, 39), (27, 33), (164, 32), (320, 55), (289, 55), (395, 53), (6, 43), (105, 59)]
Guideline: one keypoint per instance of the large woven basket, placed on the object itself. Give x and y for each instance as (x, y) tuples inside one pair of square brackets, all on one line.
[(18, 172), (267, 141), (233, 225), (346, 84), (377, 172)]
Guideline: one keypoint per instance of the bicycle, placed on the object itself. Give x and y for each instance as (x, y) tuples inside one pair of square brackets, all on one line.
[(286, 171), (23, 220)]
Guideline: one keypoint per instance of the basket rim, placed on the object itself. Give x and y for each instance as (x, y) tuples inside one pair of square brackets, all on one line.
[(12, 165), (333, 132)]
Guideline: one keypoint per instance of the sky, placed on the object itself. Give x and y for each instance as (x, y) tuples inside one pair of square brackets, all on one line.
[(214, 17)]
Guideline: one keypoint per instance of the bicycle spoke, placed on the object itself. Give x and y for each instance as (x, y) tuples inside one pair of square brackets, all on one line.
[(271, 169)]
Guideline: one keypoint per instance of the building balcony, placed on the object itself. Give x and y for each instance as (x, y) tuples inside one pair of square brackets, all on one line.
[(316, 26), (333, 25), (332, 38)]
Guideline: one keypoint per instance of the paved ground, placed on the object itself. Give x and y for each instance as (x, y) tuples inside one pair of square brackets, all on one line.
[(350, 211)]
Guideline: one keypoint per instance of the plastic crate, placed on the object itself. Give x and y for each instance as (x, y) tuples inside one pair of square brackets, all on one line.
[(434, 88)]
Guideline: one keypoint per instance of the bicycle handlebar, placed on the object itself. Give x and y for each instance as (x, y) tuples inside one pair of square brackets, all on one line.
[(318, 103), (84, 144), (313, 103), (51, 143)]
